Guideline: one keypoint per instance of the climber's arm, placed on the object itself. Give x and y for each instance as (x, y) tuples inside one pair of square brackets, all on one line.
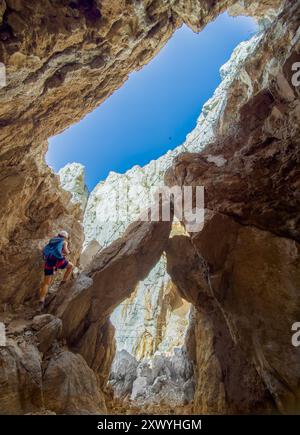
[(66, 248)]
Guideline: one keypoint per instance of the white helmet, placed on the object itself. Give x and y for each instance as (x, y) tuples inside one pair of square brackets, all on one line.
[(64, 234)]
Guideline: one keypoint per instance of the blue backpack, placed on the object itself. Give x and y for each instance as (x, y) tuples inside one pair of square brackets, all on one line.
[(54, 248)]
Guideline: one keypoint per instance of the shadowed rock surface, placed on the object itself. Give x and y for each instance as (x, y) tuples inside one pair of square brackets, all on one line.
[(229, 378)]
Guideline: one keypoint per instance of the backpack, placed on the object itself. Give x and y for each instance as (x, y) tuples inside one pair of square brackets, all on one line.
[(54, 248)]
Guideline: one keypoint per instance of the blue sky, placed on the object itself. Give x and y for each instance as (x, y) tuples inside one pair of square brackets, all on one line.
[(156, 108)]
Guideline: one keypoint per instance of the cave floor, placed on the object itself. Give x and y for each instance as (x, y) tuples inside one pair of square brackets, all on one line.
[(118, 407)]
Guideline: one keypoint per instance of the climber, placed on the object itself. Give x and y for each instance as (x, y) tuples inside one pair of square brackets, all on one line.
[(54, 255)]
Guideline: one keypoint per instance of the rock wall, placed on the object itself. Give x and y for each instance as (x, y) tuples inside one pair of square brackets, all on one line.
[(137, 185), (72, 179), (34, 208), (154, 318), (250, 241), (226, 380), (39, 374)]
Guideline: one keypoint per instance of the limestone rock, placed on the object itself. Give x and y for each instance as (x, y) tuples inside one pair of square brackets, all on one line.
[(20, 378), (89, 253), (237, 279), (105, 218), (72, 179), (48, 333), (252, 302), (62, 60), (83, 54), (35, 210), (140, 388), (70, 386), (257, 136), (158, 380), (227, 381), (123, 374), (41, 320), (230, 297), (2, 9), (153, 318)]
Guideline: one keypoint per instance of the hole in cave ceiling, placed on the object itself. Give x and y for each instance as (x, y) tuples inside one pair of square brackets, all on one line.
[(156, 108)]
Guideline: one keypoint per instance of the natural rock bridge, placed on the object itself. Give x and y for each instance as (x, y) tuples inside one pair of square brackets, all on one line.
[(241, 273)]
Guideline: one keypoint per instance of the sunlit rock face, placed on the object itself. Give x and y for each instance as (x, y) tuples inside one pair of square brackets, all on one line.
[(154, 318), (72, 179)]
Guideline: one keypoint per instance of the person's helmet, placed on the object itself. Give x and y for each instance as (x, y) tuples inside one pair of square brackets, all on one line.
[(64, 234)]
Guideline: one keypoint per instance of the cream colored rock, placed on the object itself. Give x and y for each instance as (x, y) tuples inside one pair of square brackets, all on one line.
[(258, 137), (89, 253), (72, 179)]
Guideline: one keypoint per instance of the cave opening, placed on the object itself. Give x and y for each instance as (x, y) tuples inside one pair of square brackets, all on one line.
[(157, 107), (152, 370)]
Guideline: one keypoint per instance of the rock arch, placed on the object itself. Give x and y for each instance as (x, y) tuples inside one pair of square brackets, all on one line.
[(109, 280)]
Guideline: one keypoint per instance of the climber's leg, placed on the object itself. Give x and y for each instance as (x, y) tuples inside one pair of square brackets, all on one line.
[(69, 268), (45, 287), (49, 267)]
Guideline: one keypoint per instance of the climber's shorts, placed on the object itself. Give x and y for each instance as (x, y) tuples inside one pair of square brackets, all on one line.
[(52, 263)]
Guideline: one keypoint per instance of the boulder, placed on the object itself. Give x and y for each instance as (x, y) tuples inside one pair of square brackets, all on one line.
[(123, 373), (140, 388), (41, 320), (89, 253), (20, 378), (71, 387), (48, 334)]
